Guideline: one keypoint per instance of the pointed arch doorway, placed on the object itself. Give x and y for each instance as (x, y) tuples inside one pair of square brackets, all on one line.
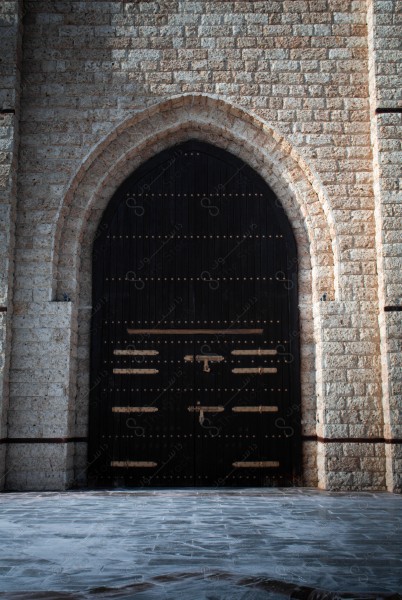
[(194, 338)]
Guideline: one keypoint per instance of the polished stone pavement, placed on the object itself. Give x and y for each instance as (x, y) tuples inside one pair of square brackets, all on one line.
[(220, 544)]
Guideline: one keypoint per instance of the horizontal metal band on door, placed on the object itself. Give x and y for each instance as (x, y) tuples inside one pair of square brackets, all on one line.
[(254, 409), (134, 409), (133, 463), (257, 370), (203, 357), (256, 464), (254, 352)]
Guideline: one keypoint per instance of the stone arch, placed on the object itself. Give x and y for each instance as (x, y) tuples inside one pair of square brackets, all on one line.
[(150, 131), (244, 135)]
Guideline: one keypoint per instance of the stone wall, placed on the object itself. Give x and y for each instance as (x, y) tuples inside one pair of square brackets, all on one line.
[(283, 84), (384, 21), (10, 58)]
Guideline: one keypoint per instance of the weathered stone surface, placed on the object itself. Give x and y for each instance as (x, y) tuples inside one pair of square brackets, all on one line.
[(290, 87), (10, 81)]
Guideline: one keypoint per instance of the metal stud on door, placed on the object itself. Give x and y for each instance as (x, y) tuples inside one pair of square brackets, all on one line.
[(194, 360)]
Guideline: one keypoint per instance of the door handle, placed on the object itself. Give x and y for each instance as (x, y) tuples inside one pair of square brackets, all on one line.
[(204, 358), (204, 409)]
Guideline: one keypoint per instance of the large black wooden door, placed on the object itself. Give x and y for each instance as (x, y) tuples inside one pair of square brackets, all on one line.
[(195, 366)]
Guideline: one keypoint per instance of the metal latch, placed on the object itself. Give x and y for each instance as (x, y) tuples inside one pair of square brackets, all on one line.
[(205, 409), (204, 358)]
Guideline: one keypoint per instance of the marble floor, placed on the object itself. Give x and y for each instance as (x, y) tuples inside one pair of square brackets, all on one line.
[(250, 544)]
